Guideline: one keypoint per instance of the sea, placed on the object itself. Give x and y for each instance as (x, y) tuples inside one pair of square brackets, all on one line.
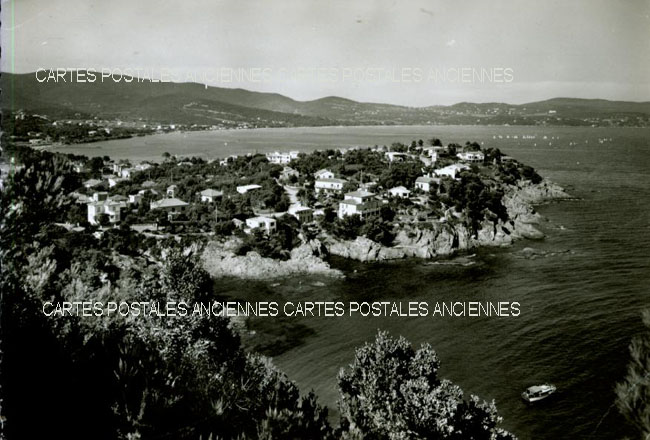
[(581, 289)]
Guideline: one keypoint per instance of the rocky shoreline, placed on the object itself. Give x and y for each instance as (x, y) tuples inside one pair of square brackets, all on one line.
[(444, 239), (220, 260)]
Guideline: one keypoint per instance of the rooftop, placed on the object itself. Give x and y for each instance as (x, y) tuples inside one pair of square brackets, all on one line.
[(333, 180), (294, 210), (351, 202), (211, 193), (261, 219), (168, 203)]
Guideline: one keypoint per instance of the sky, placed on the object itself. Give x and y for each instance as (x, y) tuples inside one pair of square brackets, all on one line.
[(414, 53)]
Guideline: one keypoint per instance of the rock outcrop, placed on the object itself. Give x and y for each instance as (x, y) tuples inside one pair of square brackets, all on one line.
[(444, 239), (440, 239), (220, 260)]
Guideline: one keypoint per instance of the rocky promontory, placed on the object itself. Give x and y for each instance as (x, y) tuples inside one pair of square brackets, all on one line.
[(440, 239), (448, 237), (220, 259)]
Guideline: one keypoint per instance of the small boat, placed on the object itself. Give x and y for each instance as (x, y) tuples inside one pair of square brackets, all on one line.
[(538, 392)]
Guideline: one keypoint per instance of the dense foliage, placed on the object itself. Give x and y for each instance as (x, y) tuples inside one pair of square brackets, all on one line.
[(392, 391), (133, 376), (633, 394), (473, 197)]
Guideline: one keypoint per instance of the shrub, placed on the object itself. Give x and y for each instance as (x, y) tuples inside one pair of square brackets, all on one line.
[(392, 391)]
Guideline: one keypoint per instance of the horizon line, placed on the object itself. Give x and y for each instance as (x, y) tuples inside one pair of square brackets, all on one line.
[(206, 86)]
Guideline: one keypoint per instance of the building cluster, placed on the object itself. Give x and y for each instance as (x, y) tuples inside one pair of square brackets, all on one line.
[(363, 201)]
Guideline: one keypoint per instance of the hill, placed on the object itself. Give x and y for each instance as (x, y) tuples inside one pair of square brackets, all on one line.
[(191, 103)]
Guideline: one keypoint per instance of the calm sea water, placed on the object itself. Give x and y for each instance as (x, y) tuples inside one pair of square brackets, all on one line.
[(580, 303)]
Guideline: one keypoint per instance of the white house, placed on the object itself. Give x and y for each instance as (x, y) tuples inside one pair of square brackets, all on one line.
[(243, 189), (471, 156), (112, 209), (302, 213), (266, 223), (114, 180), (425, 182), (117, 167), (227, 160), (126, 173), (143, 166), (78, 167), (432, 153), (329, 185), (395, 156), (323, 174), (171, 205), (102, 204), (135, 199), (210, 195), (399, 191), (282, 158), (362, 203), (451, 170)]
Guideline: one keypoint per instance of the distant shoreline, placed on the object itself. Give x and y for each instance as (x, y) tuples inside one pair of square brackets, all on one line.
[(209, 144)]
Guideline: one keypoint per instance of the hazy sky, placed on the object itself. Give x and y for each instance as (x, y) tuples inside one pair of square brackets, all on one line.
[(586, 48)]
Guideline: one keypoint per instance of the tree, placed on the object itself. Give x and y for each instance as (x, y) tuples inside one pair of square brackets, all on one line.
[(377, 230), (400, 173), (306, 196), (387, 213), (348, 228), (392, 391), (22, 214), (103, 220), (633, 394), (95, 166)]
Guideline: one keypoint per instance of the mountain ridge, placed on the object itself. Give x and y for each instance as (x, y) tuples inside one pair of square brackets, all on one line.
[(196, 103)]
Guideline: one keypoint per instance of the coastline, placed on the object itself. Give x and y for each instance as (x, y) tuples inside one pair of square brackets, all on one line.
[(220, 259), (447, 239)]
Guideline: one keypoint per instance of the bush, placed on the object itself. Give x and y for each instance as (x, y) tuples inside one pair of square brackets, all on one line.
[(392, 391)]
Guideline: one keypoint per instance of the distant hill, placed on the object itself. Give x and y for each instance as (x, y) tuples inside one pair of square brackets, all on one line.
[(588, 106), (191, 103)]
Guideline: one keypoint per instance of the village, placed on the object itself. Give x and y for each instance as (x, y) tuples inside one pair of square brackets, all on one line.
[(343, 192)]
